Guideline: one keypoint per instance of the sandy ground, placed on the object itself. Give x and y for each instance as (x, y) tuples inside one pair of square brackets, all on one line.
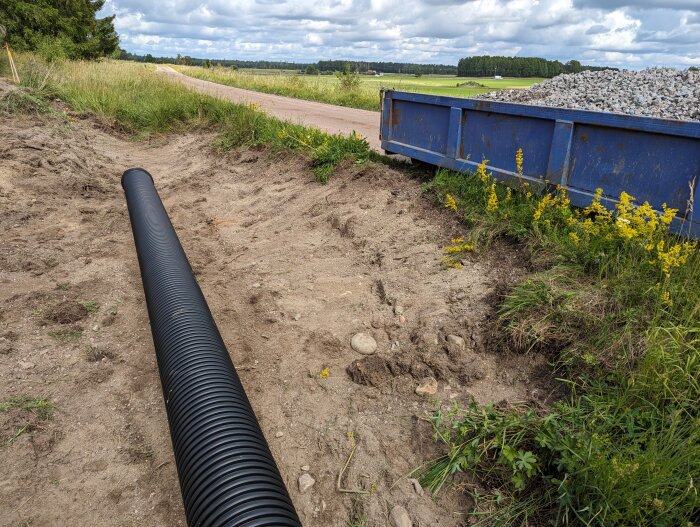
[(326, 117), (291, 270)]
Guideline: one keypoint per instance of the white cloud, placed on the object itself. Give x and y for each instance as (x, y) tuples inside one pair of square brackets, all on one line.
[(622, 33)]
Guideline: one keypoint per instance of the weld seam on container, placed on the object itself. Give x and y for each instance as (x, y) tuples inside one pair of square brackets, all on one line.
[(227, 474)]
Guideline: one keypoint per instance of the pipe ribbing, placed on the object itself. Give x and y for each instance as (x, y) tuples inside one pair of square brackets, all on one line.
[(227, 474)]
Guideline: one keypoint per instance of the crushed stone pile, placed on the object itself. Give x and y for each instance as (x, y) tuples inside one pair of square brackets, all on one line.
[(654, 92)]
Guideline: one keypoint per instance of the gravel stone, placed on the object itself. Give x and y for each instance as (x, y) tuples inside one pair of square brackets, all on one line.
[(428, 387), (399, 517), (655, 92), (305, 482), (363, 343), (430, 339), (416, 486), (456, 340)]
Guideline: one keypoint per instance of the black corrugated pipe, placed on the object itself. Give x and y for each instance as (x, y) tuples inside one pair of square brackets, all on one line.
[(227, 474)]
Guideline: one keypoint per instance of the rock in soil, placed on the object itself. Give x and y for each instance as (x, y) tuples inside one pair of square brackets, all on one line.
[(456, 341), (399, 517), (305, 482), (428, 387), (416, 486), (363, 343), (430, 339)]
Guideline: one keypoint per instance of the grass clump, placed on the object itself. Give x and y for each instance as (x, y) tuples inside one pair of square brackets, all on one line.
[(66, 335), (40, 406), (32, 94), (132, 98), (91, 306), (616, 305)]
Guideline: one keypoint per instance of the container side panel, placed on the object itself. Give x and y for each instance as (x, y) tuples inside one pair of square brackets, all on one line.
[(651, 167), (423, 126), (497, 137)]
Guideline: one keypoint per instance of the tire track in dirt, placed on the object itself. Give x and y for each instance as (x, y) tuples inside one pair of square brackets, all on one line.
[(327, 117)]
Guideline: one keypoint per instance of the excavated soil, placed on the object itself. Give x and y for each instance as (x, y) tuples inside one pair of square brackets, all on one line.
[(291, 270)]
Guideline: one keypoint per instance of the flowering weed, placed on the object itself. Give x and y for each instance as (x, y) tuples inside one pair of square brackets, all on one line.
[(616, 306)]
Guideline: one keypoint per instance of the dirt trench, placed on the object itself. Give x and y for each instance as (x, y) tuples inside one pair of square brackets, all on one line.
[(291, 270)]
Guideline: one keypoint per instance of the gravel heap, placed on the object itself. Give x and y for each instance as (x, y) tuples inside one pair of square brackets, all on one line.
[(654, 92)]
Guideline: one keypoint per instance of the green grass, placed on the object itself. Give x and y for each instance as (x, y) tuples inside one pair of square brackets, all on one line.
[(620, 320), (131, 98), (40, 406), (66, 335), (91, 306), (329, 89)]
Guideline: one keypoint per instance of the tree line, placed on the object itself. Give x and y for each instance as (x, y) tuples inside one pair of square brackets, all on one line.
[(59, 28), (322, 66), (487, 66)]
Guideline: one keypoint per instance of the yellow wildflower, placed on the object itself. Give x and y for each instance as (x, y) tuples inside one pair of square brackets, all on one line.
[(624, 206), (563, 200), (481, 171), (324, 373), (542, 206), (450, 202), (624, 228), (509, 194), (589, 227), (458, 248), (492, 201), (676, 255), (666, 299), (519, 161), (596, 209), (574, 238), (457, 240), (668, 215)]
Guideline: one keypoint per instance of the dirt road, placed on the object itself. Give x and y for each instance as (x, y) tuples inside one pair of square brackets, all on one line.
[(327, 117), (291, 270)]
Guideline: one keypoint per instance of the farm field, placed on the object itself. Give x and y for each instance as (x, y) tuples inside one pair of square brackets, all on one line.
[(364, 94), (535, 364)]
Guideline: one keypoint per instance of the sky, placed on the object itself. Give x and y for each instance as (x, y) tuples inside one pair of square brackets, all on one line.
[(629, 34)]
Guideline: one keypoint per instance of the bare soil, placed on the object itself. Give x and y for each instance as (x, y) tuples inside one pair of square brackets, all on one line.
[(291, 270)]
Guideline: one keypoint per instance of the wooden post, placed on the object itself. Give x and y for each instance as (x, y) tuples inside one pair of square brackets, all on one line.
[(13, 68)]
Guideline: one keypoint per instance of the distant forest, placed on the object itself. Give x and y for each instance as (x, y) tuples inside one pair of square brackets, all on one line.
[(487, 66), (321, 66), (483, 66)]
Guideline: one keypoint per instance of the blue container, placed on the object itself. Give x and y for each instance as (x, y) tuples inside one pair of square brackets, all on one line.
[(654, 160)]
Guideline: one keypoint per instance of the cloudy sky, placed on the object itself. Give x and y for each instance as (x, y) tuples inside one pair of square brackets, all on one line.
[(623, 33)]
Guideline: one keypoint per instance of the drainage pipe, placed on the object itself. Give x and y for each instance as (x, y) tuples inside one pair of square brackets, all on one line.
[(227, 474)]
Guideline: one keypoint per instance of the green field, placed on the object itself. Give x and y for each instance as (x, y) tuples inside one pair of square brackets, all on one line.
[(447, 84), (363, 94)]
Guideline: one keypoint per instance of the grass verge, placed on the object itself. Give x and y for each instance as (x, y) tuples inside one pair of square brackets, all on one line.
[(130, 98), (327, 89), (616, 305)]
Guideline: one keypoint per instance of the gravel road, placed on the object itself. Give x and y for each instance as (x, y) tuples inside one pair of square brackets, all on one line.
[(326, 117)]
